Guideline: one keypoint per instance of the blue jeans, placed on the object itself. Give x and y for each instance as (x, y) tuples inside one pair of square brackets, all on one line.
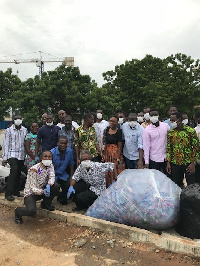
[(131, 164)]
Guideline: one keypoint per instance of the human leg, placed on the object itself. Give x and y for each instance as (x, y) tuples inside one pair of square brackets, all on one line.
[(10, 182), (46, 203), (131, 164), (177, 174)]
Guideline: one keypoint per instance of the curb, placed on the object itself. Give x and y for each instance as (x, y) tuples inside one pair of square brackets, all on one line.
[(167, 241)]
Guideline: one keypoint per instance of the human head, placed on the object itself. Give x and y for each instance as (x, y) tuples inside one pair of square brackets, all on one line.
[(172, 109), (85, 155), (61, 116), (184, 118), (49, 121), (46, 155), (34, 127), (17, 119), (113, 121), (176, 120), (99, 114), (62, 143), (146, 112), (121, 116), (88, 119), (132, 119), (154, 117), (68, 122), (140, 117), (44, 118)]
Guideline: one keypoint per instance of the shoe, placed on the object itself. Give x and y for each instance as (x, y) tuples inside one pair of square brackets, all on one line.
[(18, 219), (10, 198), (63, 201), (47, 207)]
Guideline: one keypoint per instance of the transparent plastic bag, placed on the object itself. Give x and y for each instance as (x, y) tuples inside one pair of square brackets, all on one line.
[(143, 198)]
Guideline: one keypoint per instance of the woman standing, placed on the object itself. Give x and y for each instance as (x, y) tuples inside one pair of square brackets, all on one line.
[(30, 141), (113, 148)]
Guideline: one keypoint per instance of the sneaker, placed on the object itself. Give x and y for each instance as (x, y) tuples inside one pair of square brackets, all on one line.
[(10, 198), (47, 207)]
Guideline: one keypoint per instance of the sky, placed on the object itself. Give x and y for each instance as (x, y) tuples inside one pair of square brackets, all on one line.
[(98, 34)]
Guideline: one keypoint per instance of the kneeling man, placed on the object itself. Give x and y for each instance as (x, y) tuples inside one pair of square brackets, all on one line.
[(39, 185), (88, 181)]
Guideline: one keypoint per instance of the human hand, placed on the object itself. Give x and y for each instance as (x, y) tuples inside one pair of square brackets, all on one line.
[(70, 191), (37, 159), (140, 165), (169, 170), (46, 191), (146, 166), (78, 162), (4, 162)]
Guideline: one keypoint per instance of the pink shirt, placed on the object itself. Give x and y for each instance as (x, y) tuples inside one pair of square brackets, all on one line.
[(155, 142)]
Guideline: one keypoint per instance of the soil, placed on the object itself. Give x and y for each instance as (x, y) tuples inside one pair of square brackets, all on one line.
[(42, 241)]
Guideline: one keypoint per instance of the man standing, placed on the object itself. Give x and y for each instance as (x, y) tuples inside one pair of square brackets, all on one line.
[(99, 126), (140, 117), (68, 131), (133, 149), (61, 117), (155, 143), (172, 109), (62, 159), (147, 121), (85, 139), (88, 181), (43, 120), (182, 151), (47, 136), (14, 154), (39, 185)]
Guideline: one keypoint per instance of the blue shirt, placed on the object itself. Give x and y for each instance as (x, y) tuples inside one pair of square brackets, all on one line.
[(48, 136), (61, 161), (69, 136), (133, 141)]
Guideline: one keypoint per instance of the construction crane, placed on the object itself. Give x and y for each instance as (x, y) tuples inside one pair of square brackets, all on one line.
[(69, 61)]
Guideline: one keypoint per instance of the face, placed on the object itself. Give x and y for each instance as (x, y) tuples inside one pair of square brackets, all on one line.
[(34, 128), (44, 118), (132, 118), (91, 121), (140, 114), (62, 144), (185, 116), (121, 115), (85, 157), (68, 122), (146, 110), (61, 115), (100, 111), (154, 113), (172, 110), (113, 122), (17, 117), (49, 118), (46, 155), (173, 118)]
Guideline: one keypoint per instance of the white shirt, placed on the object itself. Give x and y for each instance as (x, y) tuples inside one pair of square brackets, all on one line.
[(13, 143), (99, 129)]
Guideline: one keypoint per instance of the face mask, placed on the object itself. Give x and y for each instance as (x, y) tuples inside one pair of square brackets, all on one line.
[(154, 119), (47, 163), (132, 123), (18, 122), (121, 120), (146, 116), (185, 121), (86, 164), (174, 125), (49, 124), (99, 115), (140, 119)]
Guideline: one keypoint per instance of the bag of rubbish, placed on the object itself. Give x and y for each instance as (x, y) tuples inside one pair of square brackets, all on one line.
[(189, 224), (143, 198)]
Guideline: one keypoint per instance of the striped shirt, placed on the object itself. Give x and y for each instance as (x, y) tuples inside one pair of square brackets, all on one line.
[(13, 143)]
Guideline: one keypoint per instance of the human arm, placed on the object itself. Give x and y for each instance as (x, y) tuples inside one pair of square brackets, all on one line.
[(6, 146), (27, 147), (77, 146), (37, 145), (140, 162), (169, 170)]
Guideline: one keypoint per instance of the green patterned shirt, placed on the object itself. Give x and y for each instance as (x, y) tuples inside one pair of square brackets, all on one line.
[(182, 146), (86, 140)]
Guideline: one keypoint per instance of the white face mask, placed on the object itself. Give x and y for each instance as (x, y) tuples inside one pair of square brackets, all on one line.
[(174, 125), (146, 116), (132, 123), (121, 120), (86, 164), (140, 119), (99, 116), (49, 124), (185, 121), (154, 119), (18, 122), (47, 163)]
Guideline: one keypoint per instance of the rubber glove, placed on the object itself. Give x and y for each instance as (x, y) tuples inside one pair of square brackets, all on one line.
[(47, 191), (70, 191)]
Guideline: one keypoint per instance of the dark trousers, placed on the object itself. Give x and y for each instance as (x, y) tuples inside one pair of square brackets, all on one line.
[(84, 197), (197, 173), (62, 196), (13, 180), (131, 164), (178, 172), (161, 166), (30, 202)]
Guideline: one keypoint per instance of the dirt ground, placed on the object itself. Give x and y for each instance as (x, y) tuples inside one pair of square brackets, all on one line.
[(41, 241)]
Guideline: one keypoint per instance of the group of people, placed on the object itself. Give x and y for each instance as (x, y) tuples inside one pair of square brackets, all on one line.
[(69, 160)]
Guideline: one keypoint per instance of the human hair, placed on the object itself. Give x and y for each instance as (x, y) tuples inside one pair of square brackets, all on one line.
[(115, 116), (85, 152), (154, 110), (45, 151), (178, 115)]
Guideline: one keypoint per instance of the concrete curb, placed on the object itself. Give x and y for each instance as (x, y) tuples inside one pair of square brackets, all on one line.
[(165, 241)]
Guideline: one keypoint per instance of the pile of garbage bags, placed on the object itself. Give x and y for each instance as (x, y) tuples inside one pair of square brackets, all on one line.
[(189, 223), (143, 198)]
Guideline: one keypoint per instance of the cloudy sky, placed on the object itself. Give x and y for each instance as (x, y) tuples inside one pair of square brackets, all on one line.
[(98, 34)]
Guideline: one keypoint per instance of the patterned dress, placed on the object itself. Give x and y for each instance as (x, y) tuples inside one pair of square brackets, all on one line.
[(32, 139)]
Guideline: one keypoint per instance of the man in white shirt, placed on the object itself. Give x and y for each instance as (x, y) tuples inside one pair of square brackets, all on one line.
[(99, 126), (14, 154)]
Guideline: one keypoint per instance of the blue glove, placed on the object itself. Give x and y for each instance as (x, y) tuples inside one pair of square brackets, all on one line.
[(37, 159), (70, 191), (47, 191)]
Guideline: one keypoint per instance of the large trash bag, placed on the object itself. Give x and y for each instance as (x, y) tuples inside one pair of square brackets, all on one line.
[(189, 224), (143, 198)]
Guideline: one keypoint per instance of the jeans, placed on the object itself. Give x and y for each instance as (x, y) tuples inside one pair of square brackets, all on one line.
[(131, 164), (13, 180)]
